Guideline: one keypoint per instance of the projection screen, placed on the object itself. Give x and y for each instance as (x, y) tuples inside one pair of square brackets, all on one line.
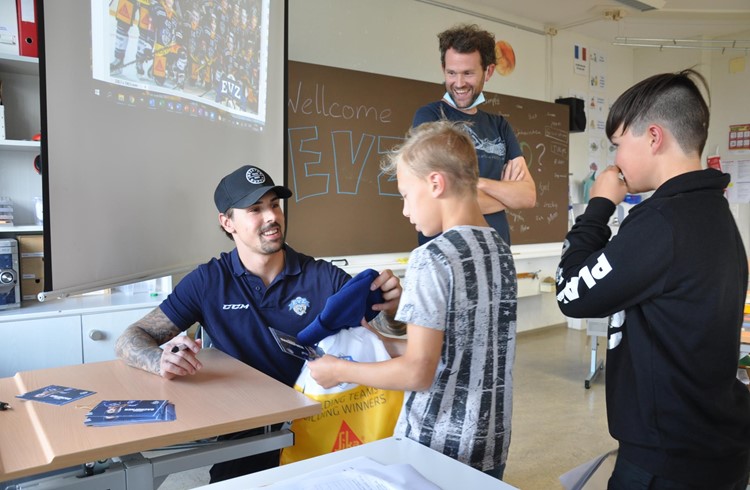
[(145, 106)]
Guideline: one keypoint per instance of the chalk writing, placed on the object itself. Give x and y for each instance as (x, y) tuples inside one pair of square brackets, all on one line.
[(515, 216), (559, 149), (527, 132), (317, 104), (556, 134), (350, 154), (533, 156)]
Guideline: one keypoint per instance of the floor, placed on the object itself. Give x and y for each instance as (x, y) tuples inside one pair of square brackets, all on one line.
[(558, 424)]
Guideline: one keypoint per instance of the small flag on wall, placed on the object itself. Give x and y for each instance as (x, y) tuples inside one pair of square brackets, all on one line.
[(580, 52), (580, 59)]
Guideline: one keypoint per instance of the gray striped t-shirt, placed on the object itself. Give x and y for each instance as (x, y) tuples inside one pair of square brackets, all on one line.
[(464, 282)]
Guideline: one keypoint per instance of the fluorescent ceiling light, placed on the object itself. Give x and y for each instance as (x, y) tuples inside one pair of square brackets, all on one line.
[(643, 5), (704, 44)]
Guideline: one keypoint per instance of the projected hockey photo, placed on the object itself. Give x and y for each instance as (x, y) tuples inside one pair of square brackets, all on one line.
[(198, 57)]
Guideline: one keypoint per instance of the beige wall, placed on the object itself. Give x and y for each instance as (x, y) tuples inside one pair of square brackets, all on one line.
[(398, 38)]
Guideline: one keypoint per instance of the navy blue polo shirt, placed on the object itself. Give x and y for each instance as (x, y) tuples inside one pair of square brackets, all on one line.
[(235, 307)]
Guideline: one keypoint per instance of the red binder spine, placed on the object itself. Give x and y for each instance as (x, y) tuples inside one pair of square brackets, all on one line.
[(27, 28)]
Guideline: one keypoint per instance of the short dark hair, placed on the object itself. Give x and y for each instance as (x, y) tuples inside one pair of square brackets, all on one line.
[(467, 38), (229, 214), (671, 99)]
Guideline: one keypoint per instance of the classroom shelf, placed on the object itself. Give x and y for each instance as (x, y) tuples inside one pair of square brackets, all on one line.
[(23, 65), (21, 229), (20, 145)]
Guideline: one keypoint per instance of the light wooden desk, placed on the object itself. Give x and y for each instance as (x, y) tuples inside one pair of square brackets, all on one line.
[(225, 396), (445, 472)]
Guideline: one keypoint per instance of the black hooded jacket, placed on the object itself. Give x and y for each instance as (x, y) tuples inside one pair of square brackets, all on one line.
[(674, 278)]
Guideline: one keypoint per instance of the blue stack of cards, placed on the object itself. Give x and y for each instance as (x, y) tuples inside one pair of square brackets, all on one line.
[(120, 412), (55, 394)]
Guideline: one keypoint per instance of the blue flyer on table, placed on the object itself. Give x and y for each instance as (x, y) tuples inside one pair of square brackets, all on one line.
[(55, 395), (119, 412)]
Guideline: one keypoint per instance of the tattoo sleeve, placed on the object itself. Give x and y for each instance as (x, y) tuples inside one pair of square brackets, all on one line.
[(139, 344)]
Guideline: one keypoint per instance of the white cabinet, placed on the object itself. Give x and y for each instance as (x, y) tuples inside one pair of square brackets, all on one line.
[(38, 344), (69, 331), (18, 179), (100, 331)]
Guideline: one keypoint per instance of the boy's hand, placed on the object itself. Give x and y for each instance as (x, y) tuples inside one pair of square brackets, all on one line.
[(611, 185), (323, 370), (390, 285)]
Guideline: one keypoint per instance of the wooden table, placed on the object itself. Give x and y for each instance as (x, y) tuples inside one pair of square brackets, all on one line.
[(225, 396)]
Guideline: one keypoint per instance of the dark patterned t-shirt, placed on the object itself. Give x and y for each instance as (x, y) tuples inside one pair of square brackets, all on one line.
[(464, 283)]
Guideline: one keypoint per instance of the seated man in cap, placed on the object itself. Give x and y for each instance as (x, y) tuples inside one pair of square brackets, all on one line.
[(262, 282)]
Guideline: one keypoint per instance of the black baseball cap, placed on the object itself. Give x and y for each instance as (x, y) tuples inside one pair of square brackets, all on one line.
[(244, 187)]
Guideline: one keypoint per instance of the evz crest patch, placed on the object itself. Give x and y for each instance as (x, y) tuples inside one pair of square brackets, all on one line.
[(299, 305), (255, 176)]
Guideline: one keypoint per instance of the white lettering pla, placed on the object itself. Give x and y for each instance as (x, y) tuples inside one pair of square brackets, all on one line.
[(570, 291), (589, 277)]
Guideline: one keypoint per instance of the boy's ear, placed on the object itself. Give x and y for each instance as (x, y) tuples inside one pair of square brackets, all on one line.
[(656, 136), (437, 183)]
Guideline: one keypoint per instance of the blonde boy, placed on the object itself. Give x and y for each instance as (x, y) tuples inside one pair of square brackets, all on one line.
[(459, 305)]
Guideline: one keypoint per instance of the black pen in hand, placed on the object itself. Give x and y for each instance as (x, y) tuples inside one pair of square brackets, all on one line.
[(178, 348)]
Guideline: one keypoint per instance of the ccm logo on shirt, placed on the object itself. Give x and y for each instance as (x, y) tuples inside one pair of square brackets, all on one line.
[(235, 307), (588, 276)]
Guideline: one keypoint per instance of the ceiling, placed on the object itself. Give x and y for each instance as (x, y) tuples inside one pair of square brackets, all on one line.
[(607, 19)]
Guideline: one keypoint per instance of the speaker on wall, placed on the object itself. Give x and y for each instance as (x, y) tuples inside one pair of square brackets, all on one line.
[(577, 116)]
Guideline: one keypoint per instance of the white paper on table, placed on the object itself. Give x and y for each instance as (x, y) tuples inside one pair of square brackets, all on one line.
[(358, 474)]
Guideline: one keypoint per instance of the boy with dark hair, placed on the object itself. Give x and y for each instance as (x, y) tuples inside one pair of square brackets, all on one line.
[(673, 281), (459, 306)]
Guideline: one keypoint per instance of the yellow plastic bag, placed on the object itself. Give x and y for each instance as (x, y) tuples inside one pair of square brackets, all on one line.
[(351, 414)]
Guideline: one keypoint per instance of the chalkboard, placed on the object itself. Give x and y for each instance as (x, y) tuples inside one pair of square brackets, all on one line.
[(341, 125)]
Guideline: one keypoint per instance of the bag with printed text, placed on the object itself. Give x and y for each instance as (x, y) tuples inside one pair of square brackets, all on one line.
[(350, 415)]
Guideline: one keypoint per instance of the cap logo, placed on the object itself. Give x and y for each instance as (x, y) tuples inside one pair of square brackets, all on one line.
[(255, 176)]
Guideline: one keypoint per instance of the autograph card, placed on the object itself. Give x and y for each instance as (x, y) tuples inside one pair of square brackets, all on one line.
[(288, 343), (55, 395), (120, 412)]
